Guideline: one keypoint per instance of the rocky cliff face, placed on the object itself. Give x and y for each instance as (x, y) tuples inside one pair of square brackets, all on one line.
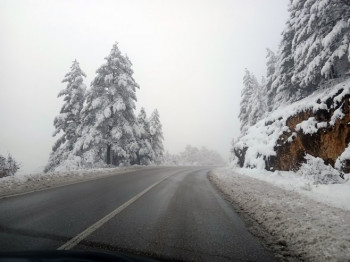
[(328, 143), (321, 130)]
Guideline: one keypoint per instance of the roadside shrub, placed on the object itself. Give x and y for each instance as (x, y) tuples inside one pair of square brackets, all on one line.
[(319, 173)]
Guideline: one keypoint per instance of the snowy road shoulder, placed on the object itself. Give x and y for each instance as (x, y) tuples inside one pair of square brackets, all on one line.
[(293, 225), (28, 182)]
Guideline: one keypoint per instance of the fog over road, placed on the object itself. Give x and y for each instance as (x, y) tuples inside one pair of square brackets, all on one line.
[(162, 212)]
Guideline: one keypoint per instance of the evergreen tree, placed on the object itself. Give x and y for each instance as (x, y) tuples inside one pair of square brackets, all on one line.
[(248, 94), (259, 102), (271, 60), (314, 47), (156, 137), (109, 123), (281, 86), (145, 154), (321, 42), (9, 166), (68, 120)]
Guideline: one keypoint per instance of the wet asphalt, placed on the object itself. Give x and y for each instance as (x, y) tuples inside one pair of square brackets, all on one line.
[(182, 218)]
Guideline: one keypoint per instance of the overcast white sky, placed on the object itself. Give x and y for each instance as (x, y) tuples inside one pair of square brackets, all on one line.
[(188, 57)]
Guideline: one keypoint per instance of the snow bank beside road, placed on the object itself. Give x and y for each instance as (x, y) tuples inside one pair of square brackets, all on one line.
[(336, 195), (26, 182), (309, 229)]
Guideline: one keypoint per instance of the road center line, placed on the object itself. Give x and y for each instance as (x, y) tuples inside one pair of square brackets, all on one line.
[(78, 238)]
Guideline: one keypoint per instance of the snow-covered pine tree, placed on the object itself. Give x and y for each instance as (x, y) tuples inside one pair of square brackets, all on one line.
[(68, 120), (248, 94), (109, 123), (314, 47), (321, 42), (156, 137), (258, 102), (281, 87), (9, 166), (12, 165), (145, 154), (271, 60)]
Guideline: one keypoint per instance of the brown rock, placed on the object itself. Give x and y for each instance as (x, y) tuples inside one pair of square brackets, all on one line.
[(328, 143)]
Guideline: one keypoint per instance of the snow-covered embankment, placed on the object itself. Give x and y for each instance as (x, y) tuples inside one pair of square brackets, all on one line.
[(295, 219)]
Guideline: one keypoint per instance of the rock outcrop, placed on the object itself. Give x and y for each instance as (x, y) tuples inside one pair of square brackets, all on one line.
[(328, 143), (321, 129)]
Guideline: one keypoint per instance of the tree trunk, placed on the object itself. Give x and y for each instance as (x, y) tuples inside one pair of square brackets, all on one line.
[(108, 160), (116, 160), (137, 160)]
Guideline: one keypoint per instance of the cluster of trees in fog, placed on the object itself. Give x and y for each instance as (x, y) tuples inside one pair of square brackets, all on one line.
[(98, 126), (8, 166), (194, 156), (314, 51)]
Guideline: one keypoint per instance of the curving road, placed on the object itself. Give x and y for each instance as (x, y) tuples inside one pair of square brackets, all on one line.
[(162, 212)]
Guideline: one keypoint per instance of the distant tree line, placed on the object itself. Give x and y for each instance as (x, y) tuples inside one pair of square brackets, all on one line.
[(98, 126), (313, 52), (194, 156)]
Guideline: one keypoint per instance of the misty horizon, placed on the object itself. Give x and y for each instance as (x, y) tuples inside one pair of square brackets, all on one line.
[(188, 59)]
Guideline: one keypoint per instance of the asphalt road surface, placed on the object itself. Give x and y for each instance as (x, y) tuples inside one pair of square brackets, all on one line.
[(164, 212)]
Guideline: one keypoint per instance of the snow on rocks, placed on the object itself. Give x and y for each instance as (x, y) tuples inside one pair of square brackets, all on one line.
[(308, 126), (301, 220), (345, 156), (258, 143)]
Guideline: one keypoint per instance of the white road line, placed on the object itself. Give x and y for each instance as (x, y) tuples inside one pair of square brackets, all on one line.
[(77, 239)]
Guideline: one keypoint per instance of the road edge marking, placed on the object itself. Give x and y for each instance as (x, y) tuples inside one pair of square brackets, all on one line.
[(78, 238)]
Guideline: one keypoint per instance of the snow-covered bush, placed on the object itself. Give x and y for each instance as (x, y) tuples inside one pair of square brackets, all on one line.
[(343, 160), (8, 167), (316, 170)]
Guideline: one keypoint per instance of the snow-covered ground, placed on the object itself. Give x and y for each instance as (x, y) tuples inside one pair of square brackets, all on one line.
[(26, 182), (301, 220)]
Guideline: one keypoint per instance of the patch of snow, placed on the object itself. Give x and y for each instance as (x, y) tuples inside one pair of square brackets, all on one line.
[(342, 158), (119, 105), (108, 78), (320, 125), (311, 220), (338, 114), (308, 126)]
